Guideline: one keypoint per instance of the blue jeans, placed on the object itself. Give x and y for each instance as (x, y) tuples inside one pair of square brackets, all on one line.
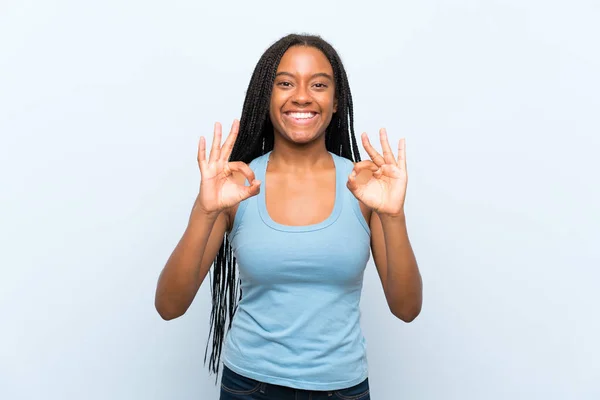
[(238, 387)]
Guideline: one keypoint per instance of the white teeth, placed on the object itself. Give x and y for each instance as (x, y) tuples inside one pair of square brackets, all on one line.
[(301, 115)]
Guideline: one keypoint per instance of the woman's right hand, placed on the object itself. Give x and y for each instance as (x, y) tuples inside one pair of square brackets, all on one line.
[(218, 188)]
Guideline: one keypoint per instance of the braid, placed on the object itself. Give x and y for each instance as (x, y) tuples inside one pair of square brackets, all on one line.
[(255, 138)]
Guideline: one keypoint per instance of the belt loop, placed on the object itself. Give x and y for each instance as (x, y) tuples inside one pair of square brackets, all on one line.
[(263, 388), (329, 394)]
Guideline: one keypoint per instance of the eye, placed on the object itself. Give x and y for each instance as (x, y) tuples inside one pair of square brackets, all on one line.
[(320, 85), (284, 84)]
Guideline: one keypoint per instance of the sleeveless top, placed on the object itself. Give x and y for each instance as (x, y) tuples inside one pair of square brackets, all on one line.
[(298, 322)]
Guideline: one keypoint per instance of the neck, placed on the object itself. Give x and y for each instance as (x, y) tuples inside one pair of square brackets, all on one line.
[(292, 157)]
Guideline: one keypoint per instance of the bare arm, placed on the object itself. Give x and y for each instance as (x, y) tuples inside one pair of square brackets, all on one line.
[(221, 190), (189, 263), (384, 193), (397, 266)]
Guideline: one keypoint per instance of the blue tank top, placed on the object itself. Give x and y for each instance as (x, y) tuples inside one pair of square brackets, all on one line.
[(298, 323)]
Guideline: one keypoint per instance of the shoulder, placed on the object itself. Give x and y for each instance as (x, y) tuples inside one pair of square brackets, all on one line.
[(344, 163), (347, 167)]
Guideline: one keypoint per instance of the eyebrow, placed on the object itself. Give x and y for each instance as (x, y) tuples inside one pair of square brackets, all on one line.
[(321, 74)]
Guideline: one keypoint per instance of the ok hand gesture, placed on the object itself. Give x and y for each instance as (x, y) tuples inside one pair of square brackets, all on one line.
[(218, 189), (385, 191)]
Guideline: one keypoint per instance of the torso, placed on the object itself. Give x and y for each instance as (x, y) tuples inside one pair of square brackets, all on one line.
[(301, 247)]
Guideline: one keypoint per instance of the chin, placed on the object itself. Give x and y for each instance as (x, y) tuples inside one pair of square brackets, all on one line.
[(301, 137)]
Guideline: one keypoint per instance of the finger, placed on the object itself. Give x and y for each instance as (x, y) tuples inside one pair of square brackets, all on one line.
[(402, 154), (359, 167), (389, 170), (243, 168), (250, 191), (388, 155), (201, 151), (230, 141), (364, 165), (216, 144), (375, 156), (352, 184), (247, 191)]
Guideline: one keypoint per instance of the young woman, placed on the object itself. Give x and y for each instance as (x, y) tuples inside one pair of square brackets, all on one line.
[(287, 200)]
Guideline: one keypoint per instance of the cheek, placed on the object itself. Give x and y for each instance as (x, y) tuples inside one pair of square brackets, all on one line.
[(328, 101), (273, 107), (276, 103), (274, 114)]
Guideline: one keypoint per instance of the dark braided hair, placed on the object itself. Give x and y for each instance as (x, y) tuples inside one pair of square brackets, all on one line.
[(255, 138)]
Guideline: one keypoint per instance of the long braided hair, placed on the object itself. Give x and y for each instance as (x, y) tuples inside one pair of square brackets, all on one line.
[(255, 138)]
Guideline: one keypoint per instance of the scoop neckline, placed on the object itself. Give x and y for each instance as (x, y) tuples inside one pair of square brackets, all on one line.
[(333, 216)]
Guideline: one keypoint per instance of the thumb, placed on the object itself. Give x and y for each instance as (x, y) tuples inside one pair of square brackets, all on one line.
[(252, 190), (352, 185)]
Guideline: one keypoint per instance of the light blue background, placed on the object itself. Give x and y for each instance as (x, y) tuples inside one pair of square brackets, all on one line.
[(101, 108)]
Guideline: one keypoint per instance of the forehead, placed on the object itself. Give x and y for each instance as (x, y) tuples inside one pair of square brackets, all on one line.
[(304, 60)]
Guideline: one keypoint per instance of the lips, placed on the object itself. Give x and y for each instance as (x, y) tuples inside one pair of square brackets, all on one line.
[(301, 114), (300, 117)]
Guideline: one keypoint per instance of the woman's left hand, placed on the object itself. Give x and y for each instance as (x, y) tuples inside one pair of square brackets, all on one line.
[(385, 190)]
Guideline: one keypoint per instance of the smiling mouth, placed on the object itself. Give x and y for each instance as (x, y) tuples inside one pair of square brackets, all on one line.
[(301, 115), (301, 118)]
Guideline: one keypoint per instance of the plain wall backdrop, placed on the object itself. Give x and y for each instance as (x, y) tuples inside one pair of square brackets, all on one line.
[(101, 108)]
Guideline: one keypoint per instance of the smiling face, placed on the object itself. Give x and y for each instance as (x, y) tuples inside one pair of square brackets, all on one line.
[(303, 98)]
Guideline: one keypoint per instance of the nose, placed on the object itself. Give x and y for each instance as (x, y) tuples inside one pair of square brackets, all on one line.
[(302, 95)]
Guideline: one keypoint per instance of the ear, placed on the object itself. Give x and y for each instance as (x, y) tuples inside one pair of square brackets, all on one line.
[(335, 102)]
